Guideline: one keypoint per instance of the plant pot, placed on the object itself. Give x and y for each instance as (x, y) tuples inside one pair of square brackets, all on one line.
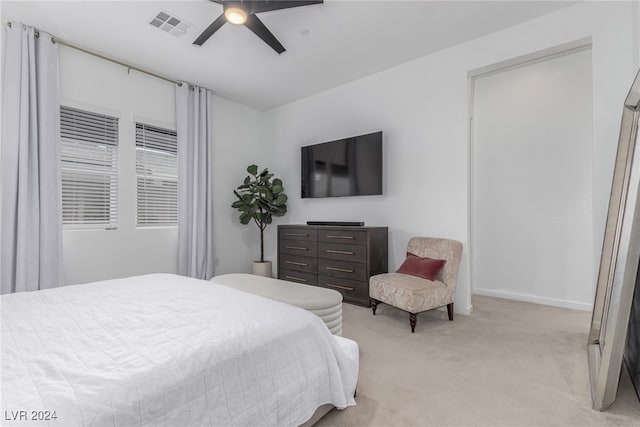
[(262, 268)]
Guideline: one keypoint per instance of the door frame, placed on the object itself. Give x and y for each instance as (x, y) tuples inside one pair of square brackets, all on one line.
[(490, 70)]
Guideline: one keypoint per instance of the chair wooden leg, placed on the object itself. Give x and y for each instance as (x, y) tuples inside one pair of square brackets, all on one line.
[(450, 311), (374, 305), (412, 321)]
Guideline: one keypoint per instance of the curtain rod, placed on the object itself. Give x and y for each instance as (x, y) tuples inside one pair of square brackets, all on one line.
[(106, 58)]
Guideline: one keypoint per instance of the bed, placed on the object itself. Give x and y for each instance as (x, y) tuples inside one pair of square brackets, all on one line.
[(167, 350)]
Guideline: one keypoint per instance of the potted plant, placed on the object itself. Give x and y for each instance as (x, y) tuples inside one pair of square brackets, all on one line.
[(260, 199)]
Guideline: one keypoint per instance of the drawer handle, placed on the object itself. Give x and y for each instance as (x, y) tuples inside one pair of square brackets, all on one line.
[(331, 251), (298, 234), (329, 236), (297, 248), (343, 270), (297, 263), (346, 288), (300, 279)]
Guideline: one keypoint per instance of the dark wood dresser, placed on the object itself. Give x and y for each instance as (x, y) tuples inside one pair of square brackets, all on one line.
[(335, 257)]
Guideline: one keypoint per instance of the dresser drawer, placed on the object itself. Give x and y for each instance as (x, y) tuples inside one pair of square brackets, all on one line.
[(342, 269), (299, 247), (298, 263), (343, 236), (298, 234), (298, 276), (341, 252), (339, 258), (351, 290)]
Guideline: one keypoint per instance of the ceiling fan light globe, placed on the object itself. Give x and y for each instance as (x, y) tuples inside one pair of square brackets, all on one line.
[(235, 15)]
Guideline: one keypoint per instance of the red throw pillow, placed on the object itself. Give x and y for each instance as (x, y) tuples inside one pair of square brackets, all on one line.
[(427, 268)]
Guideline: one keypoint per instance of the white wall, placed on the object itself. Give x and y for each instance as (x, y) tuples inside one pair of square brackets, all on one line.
[(422, 108), (531, 207), (239, 141), (98, 85)]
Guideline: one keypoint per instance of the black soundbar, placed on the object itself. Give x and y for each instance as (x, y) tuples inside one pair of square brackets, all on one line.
[(339, 223)]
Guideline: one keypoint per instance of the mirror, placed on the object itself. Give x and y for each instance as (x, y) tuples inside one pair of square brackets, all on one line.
[(632, 353), (618, 263)]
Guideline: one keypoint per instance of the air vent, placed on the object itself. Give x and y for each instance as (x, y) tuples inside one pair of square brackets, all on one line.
[(170, 23)]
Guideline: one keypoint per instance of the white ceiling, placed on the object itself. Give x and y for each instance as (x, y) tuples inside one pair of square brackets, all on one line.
[(346, 40)]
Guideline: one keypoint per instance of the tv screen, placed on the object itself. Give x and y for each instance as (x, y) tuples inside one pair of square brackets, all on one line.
[(346, 167)]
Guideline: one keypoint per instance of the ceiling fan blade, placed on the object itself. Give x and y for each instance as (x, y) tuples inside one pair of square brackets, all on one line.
[(259, 29), (257, 6), (215, 26)]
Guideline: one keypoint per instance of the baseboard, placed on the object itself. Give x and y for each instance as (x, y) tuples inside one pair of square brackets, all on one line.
[(534, 299), (469, 309), (457, 310)]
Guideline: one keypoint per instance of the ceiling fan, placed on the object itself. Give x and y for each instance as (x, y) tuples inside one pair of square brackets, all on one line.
[(243, 12)]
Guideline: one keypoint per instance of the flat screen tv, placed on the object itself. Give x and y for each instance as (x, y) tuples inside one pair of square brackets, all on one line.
[(346, 167)]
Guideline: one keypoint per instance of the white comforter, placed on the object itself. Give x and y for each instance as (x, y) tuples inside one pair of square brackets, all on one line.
[(165, 350)]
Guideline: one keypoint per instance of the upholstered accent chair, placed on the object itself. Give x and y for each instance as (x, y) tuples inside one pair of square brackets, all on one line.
[(415, 294)]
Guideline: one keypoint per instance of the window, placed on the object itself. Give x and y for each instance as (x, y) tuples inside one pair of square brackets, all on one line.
[(89, 168), (156, 176)]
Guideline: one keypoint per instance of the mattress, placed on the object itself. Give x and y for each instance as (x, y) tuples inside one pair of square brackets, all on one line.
[(167, 350)]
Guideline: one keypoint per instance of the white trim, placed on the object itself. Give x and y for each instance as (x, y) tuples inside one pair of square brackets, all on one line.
[(574, 305), (98, 109), (156, 203), (465, 311), (585, 43), (553, 52), (153, 122), (76, 142), (471, 87)]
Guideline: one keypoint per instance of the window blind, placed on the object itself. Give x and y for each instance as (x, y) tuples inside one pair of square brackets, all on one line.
[(156, 176), (89, 145)]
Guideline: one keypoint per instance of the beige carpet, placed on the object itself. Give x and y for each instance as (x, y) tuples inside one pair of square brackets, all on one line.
[(508, 364)]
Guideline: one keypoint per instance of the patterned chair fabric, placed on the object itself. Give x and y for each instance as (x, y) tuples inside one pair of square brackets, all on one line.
[(414, 294)]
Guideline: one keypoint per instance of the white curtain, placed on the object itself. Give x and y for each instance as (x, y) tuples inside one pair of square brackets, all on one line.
[(195, 182), (30, 212)]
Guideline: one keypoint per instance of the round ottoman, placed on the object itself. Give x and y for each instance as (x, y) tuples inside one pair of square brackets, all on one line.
[(324, 303)]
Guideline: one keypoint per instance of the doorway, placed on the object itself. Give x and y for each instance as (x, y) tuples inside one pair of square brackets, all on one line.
[(531, 225)]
